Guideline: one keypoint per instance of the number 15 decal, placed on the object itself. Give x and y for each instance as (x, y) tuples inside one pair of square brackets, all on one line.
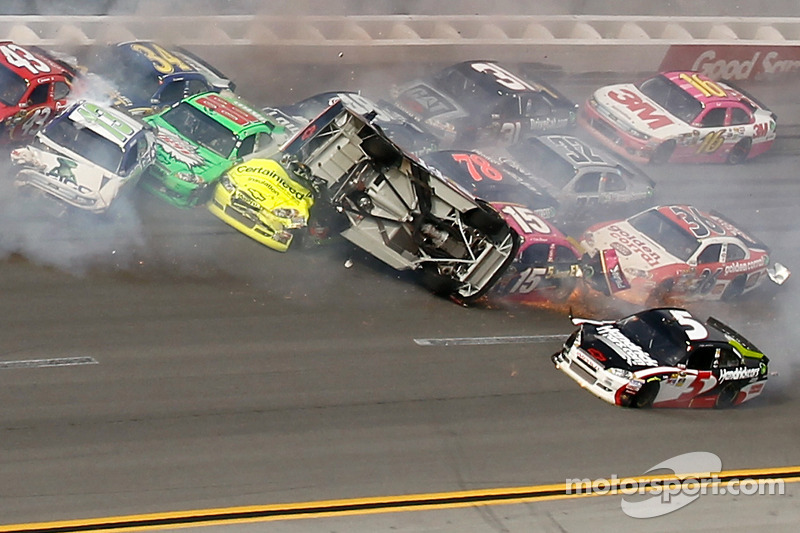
[(527, 221)]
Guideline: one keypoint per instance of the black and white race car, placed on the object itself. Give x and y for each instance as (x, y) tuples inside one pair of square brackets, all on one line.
[(483, 102), (663, 357)]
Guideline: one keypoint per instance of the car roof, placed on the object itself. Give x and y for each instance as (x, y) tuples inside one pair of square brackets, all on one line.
[(119, 136), (230, 110), (31, 73), (492, 84), (663, 319), (135, 50), (711, 224), (682, 78)]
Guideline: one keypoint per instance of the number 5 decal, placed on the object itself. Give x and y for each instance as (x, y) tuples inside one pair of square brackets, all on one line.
[(694, 329)]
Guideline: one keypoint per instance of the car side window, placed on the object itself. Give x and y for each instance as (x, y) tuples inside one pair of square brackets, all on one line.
[(536, 254), (173, 92), (701, 358), (196, 87), (613, 183), (40, 94), (564, 255), (727, 358), (714, 118), (536, 106), (588, 183), (60, 90), (739, 116), (247, 146), (710, 254), (128, 161), (735, 253)]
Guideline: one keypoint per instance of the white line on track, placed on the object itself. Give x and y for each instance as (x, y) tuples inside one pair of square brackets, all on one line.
[(464, 341), (40, 363)]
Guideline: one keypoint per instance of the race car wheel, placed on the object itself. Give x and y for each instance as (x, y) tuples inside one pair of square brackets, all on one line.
[(484, 219), (740, 151), (727, 396), (381, 151), (734, 289), (437, 282), (646, 395), (663, 153)]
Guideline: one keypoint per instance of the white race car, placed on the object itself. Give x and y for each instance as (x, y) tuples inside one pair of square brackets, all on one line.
[(86, 156)]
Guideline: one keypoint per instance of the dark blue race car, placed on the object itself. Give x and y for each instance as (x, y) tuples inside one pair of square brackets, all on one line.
[(147, 77)]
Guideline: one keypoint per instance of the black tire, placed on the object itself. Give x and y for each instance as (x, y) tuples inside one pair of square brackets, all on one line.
[(740, 151), (727, 396), (484, 219), (437, 283), (380, 151), (646, 396), (734, 289), (663, 153)]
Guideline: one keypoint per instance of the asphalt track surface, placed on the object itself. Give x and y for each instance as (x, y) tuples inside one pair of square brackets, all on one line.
[(223, 374)]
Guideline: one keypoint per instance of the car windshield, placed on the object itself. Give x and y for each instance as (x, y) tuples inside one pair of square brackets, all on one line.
[(543, 162), (201, 129), (666, 233), (678, 102), (12, 87), (85, 143), (653, 334)]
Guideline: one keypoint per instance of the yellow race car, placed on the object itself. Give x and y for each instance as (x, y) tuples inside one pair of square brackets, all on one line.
[(259, 199)]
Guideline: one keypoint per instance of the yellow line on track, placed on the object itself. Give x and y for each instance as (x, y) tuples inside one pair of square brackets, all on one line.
[(389, 504)]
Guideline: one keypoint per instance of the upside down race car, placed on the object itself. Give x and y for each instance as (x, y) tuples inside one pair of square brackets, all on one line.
[(678, 251), (663, 357), (679, 117), (397, 209)]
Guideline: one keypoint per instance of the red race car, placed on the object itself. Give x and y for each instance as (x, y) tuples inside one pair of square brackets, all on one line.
[(33, 88), (680, 251)]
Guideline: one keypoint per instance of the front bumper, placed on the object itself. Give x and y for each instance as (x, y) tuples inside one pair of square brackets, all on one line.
[(592, 377), (51, 187), (248, 221)]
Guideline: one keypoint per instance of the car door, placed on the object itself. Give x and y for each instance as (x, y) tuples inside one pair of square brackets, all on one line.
[(694, 376)]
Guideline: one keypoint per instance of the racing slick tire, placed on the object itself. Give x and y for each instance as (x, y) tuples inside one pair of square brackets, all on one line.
[(663, 152), (484, 219), (381, 151), (740, 151), (646, 395), (734, 289), (727, 396)]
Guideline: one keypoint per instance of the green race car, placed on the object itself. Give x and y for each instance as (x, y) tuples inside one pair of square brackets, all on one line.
[(201, 137)]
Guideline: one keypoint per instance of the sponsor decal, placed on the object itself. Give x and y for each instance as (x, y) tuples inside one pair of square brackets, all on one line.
[(179, 149), (588, 361), (628, 350), (223, 107), (738, 373), (745, 266), (636, 104), (616, 278), (634, 244), (734, 62)]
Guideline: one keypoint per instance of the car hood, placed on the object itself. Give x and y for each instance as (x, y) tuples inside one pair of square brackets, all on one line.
[(634, 250), (68, 168), (268, 183), (631, 107), (176, 154)]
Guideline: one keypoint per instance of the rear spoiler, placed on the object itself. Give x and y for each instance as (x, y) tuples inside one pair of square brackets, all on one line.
[(727, 330)]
